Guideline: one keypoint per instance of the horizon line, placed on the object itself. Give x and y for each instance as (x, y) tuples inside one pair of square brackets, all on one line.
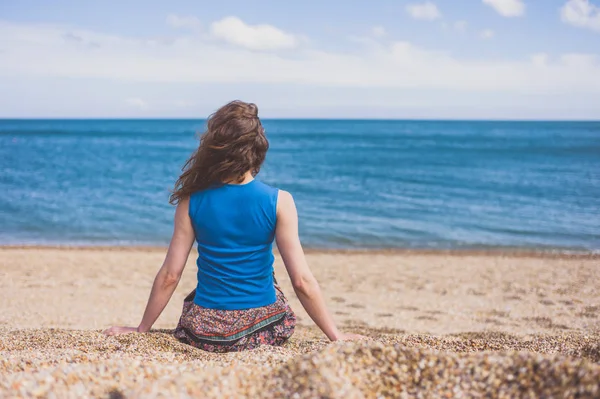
[(161, 118)]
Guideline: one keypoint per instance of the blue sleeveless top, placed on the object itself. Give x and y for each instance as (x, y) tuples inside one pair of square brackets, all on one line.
[(235, 228)]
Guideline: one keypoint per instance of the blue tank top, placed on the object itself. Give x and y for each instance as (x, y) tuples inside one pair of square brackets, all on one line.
[(235, 228)]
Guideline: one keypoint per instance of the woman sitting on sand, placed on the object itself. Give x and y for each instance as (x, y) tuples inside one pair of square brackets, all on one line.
[(237, 304)]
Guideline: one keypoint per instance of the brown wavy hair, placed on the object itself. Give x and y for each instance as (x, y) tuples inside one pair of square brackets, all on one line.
[(234, 143)]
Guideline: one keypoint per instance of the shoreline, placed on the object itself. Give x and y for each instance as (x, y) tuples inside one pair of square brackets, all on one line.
[(545, 253)]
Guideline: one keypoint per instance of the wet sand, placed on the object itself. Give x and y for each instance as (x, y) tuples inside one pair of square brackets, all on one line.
[(482, 317)]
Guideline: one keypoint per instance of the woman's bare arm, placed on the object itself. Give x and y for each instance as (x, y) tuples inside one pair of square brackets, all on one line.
[(305, 285), (169, 274)]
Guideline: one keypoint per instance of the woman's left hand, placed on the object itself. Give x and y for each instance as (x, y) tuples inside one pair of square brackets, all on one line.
[(115, 330)]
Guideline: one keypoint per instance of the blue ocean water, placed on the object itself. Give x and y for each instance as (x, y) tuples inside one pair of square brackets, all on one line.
[(357, 184)]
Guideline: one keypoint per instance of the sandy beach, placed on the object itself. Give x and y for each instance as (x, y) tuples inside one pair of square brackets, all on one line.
[(499, 324)]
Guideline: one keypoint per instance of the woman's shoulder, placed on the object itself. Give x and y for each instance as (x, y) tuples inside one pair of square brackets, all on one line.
[(268, 188), (278, 193)]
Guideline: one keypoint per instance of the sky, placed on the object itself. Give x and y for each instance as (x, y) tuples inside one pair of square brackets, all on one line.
[(443, 59)]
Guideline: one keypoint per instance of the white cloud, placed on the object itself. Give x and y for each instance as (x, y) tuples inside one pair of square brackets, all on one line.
[(427, 11), (191, 59), (507, 8), (539, 59), (378, 31), (456, 26), (136, 102), (185, 21), (183, 104), (252, 37), (581, 13), (487, 34), (579, 61)]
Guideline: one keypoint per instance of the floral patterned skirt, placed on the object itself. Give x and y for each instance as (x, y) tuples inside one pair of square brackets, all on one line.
[(216, 330)]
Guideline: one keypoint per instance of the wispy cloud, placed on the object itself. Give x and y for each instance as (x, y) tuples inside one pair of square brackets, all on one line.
[(137, 102), (456, 26), (539, 59), (507, 8), (201, 59), (378, 31), (582, 14), (183, 104), (427, 11), (460, 26), (487, 34), (183, 21), (252, 37)]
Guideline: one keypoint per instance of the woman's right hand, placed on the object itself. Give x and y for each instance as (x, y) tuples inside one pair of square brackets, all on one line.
[(116, 330), (350, 337)]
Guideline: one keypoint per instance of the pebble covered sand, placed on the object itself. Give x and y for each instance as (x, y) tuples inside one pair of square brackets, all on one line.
[(529, 349), (63, 363)]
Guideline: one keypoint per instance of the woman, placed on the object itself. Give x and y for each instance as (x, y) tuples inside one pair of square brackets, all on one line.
[(234, 218)]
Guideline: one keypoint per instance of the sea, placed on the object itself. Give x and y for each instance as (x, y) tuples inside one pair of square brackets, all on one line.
[(358, 184)]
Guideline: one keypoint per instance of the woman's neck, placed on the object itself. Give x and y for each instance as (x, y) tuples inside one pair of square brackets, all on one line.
[(248, 177)]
